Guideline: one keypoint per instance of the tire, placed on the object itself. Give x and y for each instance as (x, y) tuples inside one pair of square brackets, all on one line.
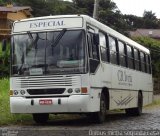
[(41, 117), (138, 110), (99, 117)]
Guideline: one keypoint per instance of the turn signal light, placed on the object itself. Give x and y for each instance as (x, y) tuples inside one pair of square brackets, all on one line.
[(11, 92), (84, 90)]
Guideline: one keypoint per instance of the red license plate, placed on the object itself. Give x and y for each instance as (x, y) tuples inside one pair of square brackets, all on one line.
[(46, 102)]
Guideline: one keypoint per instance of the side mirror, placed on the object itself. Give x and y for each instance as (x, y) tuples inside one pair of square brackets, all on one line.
[(96, 39), (4, 45)]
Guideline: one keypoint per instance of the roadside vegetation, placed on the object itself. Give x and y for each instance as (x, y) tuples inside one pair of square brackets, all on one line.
[(4, 60), (154, 104), (6, 118)]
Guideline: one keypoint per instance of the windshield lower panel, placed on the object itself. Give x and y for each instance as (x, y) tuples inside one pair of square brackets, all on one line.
[(61, 52)]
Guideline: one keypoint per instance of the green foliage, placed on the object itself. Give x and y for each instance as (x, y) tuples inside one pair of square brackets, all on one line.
[(4, 58), (1, 2), (6, 118), (84, 7), (48, 7), (154, 46), (148, 21)]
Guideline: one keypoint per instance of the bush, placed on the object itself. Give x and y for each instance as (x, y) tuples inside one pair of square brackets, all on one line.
[(4, 61)]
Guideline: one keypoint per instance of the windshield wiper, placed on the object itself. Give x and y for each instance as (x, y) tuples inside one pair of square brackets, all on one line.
[(34, 41), (21, 67), (58, 38)]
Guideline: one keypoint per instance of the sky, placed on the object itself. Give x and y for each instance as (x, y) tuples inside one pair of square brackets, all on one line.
[(137, 7)]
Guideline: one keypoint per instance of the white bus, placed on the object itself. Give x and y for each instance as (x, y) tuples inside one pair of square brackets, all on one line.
[(75, 64)]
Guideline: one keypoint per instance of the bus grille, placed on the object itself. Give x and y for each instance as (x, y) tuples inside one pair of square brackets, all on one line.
[(46, 81), (46, 91)]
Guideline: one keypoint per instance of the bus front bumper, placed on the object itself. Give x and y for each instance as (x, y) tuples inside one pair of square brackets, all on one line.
[(71, 104)]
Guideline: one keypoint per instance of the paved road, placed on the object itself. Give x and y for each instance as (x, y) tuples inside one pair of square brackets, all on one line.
[(81, 126)]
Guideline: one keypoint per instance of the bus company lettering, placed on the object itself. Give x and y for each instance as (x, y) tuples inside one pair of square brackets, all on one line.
[(124, 77), (45, 24)]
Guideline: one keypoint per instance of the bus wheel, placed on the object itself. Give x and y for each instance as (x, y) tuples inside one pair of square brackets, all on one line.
[(100, 116), (138, 110), (41, 117)]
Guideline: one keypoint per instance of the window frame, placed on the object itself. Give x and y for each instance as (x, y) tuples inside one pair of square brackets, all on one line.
[(130, 57), (104, 47), (115, 52)]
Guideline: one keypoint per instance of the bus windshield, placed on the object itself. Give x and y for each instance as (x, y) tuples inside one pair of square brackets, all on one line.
[(60, 52)]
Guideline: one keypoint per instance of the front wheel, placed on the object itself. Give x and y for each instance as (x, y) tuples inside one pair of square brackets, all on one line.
[(100, 116), (41, 117)]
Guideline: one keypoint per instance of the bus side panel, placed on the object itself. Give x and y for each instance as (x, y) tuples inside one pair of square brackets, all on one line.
[(122, 99), (102, 77), (106, 75), (95, 99), (115, 99), (150, 97), (147, 98)]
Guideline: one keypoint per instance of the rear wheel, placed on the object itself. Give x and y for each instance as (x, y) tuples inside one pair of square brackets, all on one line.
[(41, 117), (138, 110), (100, 116)]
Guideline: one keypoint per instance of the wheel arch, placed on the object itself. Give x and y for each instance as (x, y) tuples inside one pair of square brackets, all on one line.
[(141, 93), (105, 91)]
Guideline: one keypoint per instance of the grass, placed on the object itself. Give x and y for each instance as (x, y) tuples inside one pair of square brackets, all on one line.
[(155, 103), (6, 118)]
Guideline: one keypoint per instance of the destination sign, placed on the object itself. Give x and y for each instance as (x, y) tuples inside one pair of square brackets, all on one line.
[(47, 24)]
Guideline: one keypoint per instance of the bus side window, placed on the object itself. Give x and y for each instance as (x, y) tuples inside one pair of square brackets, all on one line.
[(103, 47), (130, 58), (136, 59), (142, 61), (148, 65), (89, 46), (145, 63), (93, 53), (113, 50), (93, 49), (122, 55), (149, 62)]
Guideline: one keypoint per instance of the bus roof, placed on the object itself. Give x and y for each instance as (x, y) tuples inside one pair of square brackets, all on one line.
[(98, 25)]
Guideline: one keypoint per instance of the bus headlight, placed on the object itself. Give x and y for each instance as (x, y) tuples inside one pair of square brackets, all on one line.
[(15, 92), (70, 90), (22, 92), (77, 90)]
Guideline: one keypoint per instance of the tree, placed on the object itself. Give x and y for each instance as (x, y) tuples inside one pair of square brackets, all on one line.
[(150, 20), (133, 22), (149, 15), (48, 7), (84, 6), (107, 13)]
